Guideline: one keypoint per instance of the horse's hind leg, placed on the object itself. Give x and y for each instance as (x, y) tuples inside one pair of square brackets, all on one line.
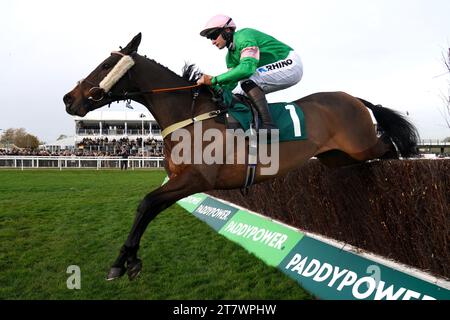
[(392, 151), (183, 185), (359, 140), (337, 159), (383, 149)]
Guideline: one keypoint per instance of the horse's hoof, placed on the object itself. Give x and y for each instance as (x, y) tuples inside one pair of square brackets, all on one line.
[(115, 273), (134, 269)]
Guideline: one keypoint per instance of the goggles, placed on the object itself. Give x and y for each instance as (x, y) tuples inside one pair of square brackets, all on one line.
[(214, 34)]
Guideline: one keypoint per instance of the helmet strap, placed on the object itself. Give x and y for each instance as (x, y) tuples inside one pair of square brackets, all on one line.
[(228, 37)]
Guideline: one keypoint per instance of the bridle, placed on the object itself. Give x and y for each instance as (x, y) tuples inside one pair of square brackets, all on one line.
[(94, 87), (127, 95)]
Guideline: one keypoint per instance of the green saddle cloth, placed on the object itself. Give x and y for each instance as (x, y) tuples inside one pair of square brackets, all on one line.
[(287, 116)]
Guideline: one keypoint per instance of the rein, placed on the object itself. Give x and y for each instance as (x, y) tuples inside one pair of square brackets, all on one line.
[(127, 95), (108, 93), (172, 89), (155, 91), (162, 90)]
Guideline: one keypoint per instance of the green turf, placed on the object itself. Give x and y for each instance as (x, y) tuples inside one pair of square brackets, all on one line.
[(52, 219)]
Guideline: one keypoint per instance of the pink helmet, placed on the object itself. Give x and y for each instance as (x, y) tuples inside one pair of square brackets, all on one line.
[(218, 22)]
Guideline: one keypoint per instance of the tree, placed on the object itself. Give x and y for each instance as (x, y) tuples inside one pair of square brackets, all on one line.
[(19, 138), (27, 141), (7, 137)]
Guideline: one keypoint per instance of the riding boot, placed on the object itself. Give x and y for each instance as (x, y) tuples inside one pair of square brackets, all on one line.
[(259, 99)]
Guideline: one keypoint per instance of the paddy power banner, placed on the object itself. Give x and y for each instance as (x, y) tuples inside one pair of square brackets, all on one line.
[(269, 241), (323, 269), (331, 273)]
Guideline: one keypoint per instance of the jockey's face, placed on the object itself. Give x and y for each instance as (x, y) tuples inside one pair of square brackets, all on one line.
[(219, 42)]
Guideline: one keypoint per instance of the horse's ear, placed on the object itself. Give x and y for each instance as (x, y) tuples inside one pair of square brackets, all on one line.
[(133, 45)]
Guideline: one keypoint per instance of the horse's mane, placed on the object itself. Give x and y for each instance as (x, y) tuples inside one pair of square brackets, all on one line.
[(191, 73)]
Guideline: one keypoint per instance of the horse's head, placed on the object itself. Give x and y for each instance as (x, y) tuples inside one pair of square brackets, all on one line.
[(105, 84)]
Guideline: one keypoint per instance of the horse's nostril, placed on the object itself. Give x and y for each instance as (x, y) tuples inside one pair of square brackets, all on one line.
[(67, 99)]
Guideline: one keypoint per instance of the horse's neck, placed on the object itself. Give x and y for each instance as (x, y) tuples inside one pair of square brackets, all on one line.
[(168, 107)]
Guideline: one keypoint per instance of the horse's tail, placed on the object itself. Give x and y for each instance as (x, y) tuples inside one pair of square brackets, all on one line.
[(402, 132)]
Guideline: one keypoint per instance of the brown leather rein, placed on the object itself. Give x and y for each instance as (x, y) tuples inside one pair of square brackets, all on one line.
[(162, 90), (127, 95), (174, 89)]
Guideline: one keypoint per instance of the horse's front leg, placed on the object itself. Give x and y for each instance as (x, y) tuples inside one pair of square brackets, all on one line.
[(183, 185)]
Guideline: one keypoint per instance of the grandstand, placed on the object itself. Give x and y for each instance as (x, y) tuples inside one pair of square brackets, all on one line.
[(107, 133), (117, 125), (102, 139)]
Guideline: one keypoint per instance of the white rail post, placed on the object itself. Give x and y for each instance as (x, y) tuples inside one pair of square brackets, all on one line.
[(62, 162)]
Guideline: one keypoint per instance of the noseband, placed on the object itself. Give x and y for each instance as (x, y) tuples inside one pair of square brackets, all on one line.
[(121, 67)]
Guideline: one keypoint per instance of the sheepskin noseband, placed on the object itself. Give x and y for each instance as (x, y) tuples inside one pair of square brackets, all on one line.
[(124, 64)]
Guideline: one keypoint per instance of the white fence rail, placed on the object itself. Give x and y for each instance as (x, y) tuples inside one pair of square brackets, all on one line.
[(35, 162), (433, 142)]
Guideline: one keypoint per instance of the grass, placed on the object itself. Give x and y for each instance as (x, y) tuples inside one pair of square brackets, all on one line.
[(52, 219)]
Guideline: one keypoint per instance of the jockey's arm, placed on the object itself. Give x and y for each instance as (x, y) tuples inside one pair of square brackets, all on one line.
[(246, 67)]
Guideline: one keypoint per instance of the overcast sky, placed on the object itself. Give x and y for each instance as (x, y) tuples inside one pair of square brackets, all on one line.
[(389, 52)]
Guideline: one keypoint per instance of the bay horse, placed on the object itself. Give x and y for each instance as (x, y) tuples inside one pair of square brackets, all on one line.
[(340, 132)]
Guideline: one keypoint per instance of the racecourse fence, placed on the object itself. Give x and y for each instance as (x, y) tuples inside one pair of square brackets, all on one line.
[(396, 209), (72, 162)]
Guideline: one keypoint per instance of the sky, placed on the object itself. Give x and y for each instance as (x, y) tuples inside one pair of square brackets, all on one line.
[(389, 52)]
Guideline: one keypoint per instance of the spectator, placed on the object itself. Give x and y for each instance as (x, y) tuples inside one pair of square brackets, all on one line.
[(124, 162)]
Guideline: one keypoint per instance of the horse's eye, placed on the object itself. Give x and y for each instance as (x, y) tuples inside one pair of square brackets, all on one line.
[(106, 66)]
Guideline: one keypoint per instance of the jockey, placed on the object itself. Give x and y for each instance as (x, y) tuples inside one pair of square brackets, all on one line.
[(257, 63)]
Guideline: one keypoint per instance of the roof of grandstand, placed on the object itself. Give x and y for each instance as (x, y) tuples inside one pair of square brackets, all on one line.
[(65, 142), (105, 115)]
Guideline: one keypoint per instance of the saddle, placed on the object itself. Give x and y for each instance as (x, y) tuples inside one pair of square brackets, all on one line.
[(227, 101), (240, 113)]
